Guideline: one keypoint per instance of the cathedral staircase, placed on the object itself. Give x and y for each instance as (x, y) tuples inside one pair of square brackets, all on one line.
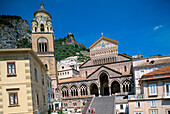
[(102, 105), (86, 106)]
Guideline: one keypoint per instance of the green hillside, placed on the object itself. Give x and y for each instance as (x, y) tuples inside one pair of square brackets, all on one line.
[(67, 46)]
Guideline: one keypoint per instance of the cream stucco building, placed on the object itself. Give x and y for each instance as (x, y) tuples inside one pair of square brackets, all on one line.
[(155, 97), (22, 82)]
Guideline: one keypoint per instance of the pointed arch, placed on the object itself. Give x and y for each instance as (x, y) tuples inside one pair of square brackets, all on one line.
[(83, 90), (115, 87), (42, 27), (94, 89), (74, 90), (64, 91)]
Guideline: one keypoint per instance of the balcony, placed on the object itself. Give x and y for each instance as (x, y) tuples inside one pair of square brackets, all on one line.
[(75, 97), (166, 95), (136, 97)]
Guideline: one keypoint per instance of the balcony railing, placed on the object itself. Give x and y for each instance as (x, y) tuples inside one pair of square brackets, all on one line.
[(166, 95), (74, 97), (135, 97)]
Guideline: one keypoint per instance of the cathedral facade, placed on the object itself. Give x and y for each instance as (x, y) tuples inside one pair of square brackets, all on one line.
[(106, 73)]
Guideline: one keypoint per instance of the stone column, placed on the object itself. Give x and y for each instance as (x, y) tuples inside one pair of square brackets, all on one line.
[(121, 89), (79, 93), (88, 90), (99, 92), (110, 94)]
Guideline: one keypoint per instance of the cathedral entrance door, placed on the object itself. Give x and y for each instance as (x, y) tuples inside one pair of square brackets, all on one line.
[(104, 88), (106, 91)]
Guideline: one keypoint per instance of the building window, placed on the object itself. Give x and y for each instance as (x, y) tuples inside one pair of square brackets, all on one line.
[(35, 71), (46, 66), (121, 106), (153, 103), (13, 98), (83, 90), (64, 91), (37, 100), (125, 68), (62, 67), (153, 111), (11, 68), (74, 91), (44, 99), (137, 104), (43, 79), (75, 104), (50, 85), (152, 89), (167, 89), (138, 112), (86, 73), (42, 28), (47, 83), (142, 72), (35, 29)]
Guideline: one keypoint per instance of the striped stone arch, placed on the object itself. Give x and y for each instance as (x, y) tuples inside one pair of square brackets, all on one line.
[(115, 86), (92, 83), (94, 89), (113, 81), (103, 71)]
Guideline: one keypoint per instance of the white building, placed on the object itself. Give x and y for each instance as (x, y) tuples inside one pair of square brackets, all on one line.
[(146, 65), (65, 71), (70, 61)]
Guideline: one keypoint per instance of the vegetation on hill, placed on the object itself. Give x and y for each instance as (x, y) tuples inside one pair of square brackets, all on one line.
[(67, 46), (24, 43), (7, 20)]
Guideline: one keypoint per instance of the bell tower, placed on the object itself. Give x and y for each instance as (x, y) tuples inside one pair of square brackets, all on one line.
[(43, 40)]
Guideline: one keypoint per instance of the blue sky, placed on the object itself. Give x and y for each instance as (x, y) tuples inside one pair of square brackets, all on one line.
[(140, 26)]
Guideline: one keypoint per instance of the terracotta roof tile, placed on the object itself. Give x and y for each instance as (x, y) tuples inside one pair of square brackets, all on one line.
[(160, 71), (72, 79)]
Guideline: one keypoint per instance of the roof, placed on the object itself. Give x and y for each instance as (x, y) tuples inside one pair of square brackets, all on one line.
[(163, 72), (41, 10), (104, 38), (160, 71), (20, 50), (154, 62), (72, 79), (156, 56)]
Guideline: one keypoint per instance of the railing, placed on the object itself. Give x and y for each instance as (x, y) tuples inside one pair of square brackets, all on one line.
[(74, 97), (135, 97), (166, 95)]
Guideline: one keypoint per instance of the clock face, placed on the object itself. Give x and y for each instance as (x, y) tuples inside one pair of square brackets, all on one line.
[(42, 39)]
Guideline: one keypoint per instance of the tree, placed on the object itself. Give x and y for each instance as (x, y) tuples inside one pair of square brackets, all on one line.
[(24, 43)]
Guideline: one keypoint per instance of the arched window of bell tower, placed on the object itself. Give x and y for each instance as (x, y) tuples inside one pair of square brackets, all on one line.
[(42, 27), (35, 29), (42, 45)]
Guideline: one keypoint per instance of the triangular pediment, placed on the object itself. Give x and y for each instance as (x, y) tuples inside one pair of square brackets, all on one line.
[(109, 71), (106, 39)]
